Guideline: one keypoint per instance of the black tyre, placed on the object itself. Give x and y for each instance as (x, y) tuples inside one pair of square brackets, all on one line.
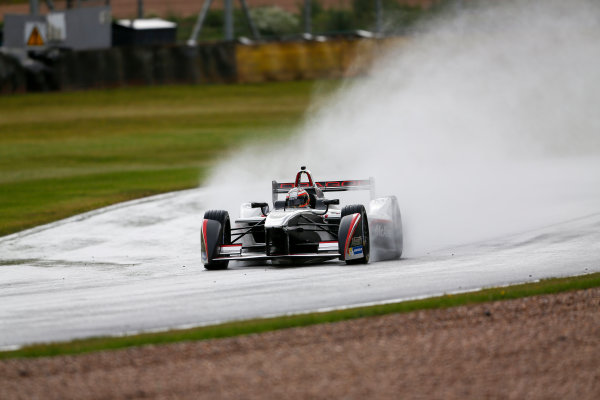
[(360, 209), (222, 217)]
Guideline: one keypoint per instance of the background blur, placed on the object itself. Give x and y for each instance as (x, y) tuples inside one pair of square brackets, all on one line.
[(273, 17), (81, 44)]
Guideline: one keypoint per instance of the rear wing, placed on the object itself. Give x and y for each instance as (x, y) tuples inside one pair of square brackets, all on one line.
[(328, 186)]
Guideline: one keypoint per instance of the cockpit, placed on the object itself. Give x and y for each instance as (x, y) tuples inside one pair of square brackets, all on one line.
[(308, 186)]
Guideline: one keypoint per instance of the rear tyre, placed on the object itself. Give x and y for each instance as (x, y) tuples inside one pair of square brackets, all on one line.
[(364, 226), (222, 217)]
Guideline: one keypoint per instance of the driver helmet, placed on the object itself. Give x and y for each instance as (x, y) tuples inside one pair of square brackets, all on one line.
[(297, 198)]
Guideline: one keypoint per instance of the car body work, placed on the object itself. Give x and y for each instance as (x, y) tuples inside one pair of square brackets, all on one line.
[(316, 232)]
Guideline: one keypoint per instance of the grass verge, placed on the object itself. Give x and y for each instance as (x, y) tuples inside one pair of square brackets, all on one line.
[(547, 286), (65, 153)]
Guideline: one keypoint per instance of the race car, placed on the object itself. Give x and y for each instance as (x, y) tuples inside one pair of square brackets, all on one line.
[(305, 227)]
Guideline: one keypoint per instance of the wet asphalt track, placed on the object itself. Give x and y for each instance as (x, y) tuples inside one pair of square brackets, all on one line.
[(136, 267)]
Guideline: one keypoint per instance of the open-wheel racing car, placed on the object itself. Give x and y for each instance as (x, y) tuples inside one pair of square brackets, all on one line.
[(305, 227)]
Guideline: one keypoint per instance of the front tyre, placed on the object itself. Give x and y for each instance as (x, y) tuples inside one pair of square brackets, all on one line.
[(351, 237), (213, 236)]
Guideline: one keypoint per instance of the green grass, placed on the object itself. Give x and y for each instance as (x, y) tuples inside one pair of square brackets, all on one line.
[(66, 153), (548, 286)]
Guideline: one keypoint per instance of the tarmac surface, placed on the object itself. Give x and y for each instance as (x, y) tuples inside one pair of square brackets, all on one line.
[(136, 267)]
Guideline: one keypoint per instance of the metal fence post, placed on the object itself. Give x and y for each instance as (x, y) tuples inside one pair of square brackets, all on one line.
[(255, 32), (379, 16), (229, 34), (34, 7), (308, 16), (199, 22)]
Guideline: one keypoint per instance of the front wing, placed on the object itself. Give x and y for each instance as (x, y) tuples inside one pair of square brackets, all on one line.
[(326, 251)]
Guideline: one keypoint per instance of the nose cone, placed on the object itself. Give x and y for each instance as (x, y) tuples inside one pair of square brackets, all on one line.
[(280, 218)]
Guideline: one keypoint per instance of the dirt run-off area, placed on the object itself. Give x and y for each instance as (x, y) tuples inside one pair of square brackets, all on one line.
[(543, 347)]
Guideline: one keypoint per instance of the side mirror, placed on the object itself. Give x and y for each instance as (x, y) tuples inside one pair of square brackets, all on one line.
[(258, 205), (264, 207), (329, 202)]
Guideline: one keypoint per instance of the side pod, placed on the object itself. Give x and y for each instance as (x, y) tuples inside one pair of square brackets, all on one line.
[(350, 240), (209, 238)]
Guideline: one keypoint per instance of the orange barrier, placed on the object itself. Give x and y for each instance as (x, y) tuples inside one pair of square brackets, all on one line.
[(285, 61)]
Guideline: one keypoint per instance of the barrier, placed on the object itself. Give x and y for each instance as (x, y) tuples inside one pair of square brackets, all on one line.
[(89, 69), (225, 62), (152, 65), (285, 61), (12, 76)]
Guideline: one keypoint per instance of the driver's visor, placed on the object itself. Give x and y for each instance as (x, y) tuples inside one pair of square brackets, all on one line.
[(300, 201)]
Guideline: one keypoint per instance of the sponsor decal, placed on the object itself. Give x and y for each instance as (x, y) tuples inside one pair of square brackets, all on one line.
[(358, 250), (357, 241), (325, 184)]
